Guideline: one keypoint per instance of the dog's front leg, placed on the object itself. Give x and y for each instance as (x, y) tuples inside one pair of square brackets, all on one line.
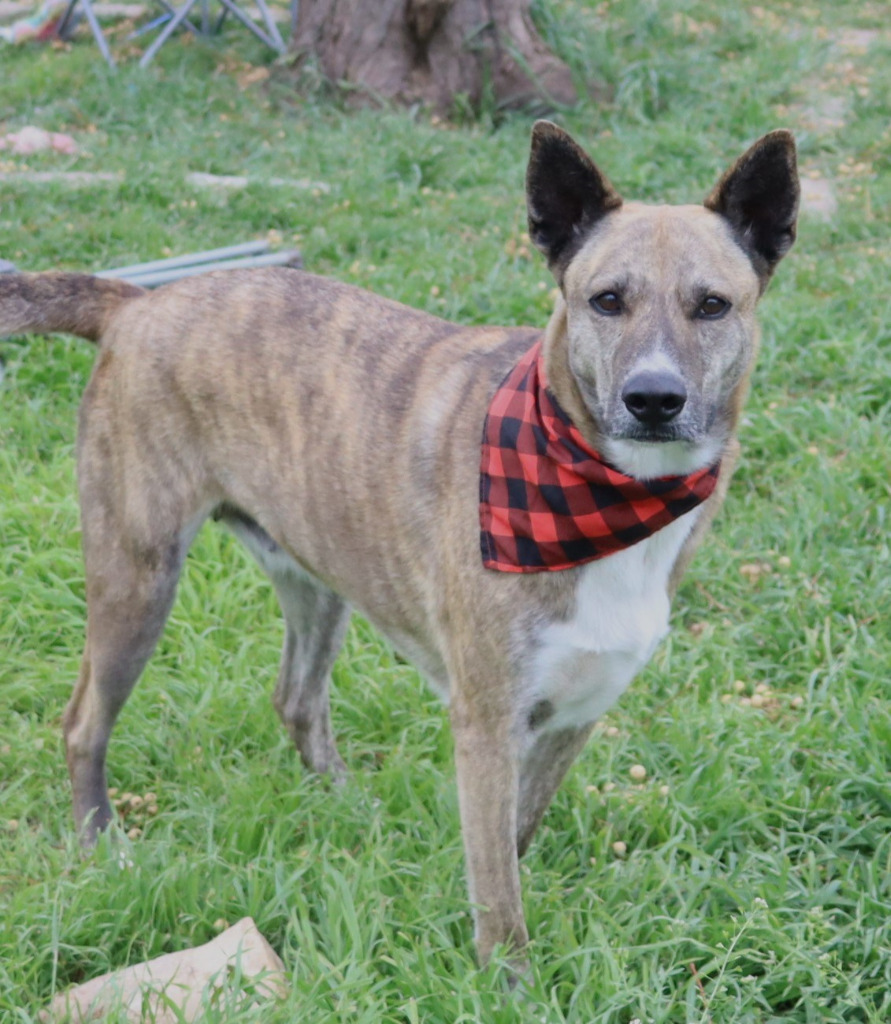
[(487, 774)]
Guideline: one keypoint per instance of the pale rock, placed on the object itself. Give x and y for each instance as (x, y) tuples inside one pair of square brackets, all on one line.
[(176, 987)]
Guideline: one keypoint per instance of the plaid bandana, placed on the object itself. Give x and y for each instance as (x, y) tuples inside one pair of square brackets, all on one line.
[(547, 500)]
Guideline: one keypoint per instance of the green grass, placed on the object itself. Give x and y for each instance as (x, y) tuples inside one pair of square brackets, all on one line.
[(757, 881)]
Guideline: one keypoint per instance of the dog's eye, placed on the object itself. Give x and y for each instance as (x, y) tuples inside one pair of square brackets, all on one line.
[(712, 308), (607, 303)]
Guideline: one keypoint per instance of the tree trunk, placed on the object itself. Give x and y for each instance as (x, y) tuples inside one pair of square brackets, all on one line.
[(433, 51)]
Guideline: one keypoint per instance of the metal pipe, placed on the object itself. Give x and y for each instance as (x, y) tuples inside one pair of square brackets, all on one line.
[(287, 257), (192, 259)]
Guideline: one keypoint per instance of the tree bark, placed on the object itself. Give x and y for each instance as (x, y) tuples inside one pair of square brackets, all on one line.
[(433, 52)]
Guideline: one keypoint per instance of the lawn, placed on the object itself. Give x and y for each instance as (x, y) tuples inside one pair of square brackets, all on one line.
[(754, 883)]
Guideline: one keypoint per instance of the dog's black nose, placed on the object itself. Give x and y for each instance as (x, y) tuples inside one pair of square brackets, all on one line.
[(654, 397)]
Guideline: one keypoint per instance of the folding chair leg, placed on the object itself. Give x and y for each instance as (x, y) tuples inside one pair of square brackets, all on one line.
[(87, 7), (97, 32), (166, 33), (271, 26), (66, 19), (274, 41), (171, 10)]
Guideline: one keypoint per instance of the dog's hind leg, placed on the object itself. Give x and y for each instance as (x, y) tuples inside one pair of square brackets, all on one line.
[(316, 621), (542, 771), (130, 590)]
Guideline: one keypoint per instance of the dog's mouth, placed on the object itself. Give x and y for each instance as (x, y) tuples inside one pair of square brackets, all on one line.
[(645, 456), (657, 435)]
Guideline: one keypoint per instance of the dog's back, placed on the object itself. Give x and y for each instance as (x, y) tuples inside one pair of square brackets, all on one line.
[(327, 415)]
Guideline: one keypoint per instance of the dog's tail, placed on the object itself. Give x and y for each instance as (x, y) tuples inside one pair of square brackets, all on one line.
[(69, 303)]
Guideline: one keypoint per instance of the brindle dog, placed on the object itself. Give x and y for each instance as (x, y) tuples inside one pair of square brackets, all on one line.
[(338, 434)]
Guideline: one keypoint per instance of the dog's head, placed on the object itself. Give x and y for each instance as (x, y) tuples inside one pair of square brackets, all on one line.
[(654, 335)]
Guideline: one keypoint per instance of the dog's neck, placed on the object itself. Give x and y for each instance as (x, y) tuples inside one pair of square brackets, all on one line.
[(561, 382), (548, 501)]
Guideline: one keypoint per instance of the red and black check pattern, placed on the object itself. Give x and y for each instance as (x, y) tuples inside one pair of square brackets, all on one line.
[(547, 500)]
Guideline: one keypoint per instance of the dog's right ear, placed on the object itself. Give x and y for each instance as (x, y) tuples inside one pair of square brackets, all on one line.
[(566, 195)]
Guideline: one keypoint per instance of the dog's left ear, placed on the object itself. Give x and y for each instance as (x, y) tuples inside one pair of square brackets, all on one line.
[(566, 194), (759, 196)]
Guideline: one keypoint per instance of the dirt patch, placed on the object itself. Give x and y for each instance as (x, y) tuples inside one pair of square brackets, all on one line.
[(818, 196)]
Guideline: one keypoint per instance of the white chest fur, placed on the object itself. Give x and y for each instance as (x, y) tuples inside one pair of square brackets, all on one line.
[(582, 665)]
